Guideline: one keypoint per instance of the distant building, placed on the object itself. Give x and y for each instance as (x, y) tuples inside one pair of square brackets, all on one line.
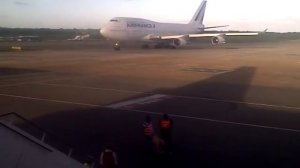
[(4, 39), (28, 38)]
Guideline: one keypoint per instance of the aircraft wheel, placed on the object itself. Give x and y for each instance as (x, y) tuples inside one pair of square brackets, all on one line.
[(158, 46), (172, 47), (145, 46), (117, 46)]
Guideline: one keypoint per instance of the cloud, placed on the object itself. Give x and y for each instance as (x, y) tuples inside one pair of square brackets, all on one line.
[(21, 3)]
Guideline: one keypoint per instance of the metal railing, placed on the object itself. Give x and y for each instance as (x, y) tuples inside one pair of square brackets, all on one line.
[(39, 133)]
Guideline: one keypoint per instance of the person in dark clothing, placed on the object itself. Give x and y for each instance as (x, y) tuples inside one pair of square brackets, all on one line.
[(159, 145), (108, 158), (165, 126)]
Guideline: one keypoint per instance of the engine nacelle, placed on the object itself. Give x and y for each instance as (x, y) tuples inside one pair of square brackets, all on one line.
[(179, 42), (216, 40)]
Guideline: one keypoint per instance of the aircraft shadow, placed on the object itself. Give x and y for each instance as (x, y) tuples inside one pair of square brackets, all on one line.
[(195, 142)]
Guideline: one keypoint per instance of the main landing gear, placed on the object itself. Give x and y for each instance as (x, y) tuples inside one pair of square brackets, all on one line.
[(145, 46), (164, 45)]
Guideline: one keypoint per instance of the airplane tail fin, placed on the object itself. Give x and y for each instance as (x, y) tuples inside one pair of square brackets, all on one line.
[(199, 15)]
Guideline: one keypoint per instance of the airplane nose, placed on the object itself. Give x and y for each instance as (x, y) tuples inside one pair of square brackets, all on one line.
[(103, 31)]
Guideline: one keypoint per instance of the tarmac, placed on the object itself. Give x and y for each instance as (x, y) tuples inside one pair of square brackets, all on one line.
[(236, 105)]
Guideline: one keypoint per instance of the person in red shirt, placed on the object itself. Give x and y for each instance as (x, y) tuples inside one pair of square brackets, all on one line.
[(148, 127), (165, 126), (148, 133)]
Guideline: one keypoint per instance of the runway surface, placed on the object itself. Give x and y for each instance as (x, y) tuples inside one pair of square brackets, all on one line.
[(233, 106)]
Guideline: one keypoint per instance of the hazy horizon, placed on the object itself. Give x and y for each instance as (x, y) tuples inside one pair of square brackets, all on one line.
[(255, 15)]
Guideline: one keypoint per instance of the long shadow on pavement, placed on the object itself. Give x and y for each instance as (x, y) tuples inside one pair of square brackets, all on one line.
[(197, 143)]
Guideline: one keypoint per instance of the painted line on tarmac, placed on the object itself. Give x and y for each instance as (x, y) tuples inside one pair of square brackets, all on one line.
[(17, 84), (240, 102), (140, 101), (50, 100), (36, 82), (178, 96), (56, 79), (12, 76), (156, 113), (94, 88), (217, 121)]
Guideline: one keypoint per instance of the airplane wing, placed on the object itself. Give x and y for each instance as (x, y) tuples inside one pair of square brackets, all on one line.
[(205, 35), (222, 34), (208, 35), (216, 38)]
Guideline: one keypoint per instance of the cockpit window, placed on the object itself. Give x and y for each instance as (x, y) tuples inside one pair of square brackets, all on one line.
[(113, 20)]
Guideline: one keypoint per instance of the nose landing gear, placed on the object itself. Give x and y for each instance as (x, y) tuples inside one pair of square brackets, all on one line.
[(117, 46)]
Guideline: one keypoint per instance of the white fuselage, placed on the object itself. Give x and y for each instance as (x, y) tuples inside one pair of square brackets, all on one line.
[(122, 29), (135, 29)]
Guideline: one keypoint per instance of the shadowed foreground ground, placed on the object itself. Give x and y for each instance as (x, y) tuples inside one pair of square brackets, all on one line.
[(232, 105)]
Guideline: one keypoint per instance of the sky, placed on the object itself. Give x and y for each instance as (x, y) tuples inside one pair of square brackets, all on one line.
[(251, 15)]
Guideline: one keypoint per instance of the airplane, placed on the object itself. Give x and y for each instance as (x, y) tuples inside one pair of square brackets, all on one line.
[(123, 29), (80, 37)]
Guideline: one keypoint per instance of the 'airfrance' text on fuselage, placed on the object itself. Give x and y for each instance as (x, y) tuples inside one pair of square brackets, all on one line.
[(140, 25)]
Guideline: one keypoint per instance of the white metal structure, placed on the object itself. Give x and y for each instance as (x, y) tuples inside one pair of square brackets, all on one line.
[(120, 29), (21, 149)]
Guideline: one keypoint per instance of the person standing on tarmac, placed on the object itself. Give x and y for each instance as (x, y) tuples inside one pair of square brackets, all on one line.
[(165, 126), (148, 132), (159, 145), (108, 158)]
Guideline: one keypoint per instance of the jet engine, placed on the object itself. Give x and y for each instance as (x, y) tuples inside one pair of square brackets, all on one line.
[(179, 42), (216, 40)]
